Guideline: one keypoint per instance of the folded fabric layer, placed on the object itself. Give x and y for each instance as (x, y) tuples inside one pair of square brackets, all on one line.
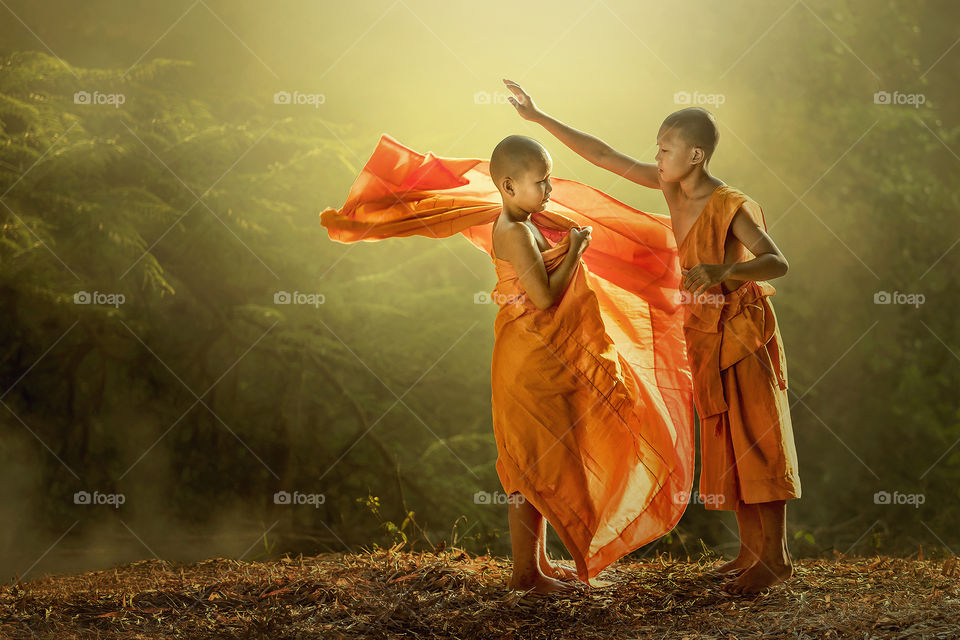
[(740, 372)]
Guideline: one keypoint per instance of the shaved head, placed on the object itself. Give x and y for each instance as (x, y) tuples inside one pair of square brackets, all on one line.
[(696, 126), (515, 156)]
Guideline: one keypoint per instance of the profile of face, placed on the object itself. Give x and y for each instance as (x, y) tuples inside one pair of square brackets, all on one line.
[(530, 189), (675, 157)]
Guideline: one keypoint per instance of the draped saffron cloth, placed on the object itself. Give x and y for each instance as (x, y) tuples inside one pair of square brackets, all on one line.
[(592, 398), (747, 449)]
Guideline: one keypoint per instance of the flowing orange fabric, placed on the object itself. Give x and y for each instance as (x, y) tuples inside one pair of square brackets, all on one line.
[(592, 398), (739, 372)]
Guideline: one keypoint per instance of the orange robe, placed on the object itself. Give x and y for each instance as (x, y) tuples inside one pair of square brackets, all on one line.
[(592, 398), (739, 372)]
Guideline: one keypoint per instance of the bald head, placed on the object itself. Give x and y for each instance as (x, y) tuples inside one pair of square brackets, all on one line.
[(516, 156), (695, 126)]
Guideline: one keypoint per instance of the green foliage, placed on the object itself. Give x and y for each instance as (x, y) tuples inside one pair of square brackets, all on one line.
[(198, 394)]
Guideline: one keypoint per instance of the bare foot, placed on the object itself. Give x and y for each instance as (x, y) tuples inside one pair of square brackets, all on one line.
[(733, 568), (760, 576), (539, 583), (560, 572)]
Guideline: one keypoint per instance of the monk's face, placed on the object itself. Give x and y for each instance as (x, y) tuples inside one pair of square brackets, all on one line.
[(675, 157), (532, 186)]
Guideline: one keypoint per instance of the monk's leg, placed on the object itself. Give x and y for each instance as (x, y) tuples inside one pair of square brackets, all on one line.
[(525, 525), (774, 564), (751, 540), (547, 568)]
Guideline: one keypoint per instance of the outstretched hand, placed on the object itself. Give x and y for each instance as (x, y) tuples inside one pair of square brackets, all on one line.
[(522, 101)]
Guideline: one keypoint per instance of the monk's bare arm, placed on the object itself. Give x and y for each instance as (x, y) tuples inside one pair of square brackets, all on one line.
[(768, 264), (585, 145), (543, 289), (600, 153)]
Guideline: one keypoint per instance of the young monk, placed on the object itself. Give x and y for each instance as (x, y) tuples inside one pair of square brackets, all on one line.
[(591, 389), (748, 456), (520, 167)]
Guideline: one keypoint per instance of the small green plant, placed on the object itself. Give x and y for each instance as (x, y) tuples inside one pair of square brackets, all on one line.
[(267, 549), (806, 535)]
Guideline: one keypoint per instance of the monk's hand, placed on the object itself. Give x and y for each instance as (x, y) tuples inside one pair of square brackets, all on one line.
[(522, 101), (703, 276), (580, 239)]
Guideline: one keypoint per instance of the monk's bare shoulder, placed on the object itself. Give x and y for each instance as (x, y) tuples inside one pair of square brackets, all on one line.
[(514, 239)]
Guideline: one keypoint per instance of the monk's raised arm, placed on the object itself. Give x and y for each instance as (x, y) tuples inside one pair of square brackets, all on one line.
[(587, 146), (642, 173), (521, 250)]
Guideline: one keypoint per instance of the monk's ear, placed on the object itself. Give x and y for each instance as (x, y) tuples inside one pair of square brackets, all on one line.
[(508, 186), (697, 156)]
